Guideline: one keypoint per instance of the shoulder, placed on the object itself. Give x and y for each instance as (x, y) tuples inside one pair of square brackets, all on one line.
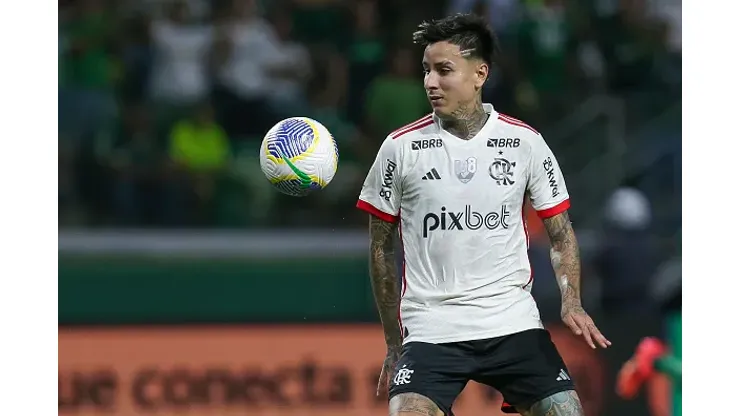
[(528, 135), (411, 131), (407, 136), (517, 125), (396, 140)]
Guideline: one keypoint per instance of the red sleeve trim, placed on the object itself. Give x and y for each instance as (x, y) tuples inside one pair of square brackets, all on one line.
[(369, 208), (557, 209)]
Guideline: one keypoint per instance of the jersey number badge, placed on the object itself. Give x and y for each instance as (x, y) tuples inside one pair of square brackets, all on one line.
[(465, 169)]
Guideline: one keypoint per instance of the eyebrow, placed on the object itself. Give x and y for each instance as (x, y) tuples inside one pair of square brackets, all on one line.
[(445, 62)]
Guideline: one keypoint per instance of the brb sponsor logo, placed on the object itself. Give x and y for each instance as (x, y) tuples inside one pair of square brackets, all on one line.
[(503, 142), (550, 172), (385, 187), (426, 144), (465, 220)]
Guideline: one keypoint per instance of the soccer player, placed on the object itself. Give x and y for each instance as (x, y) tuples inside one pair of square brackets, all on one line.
[(453, 184)]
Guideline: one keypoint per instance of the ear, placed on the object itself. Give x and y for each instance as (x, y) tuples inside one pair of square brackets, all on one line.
[(481, 74)]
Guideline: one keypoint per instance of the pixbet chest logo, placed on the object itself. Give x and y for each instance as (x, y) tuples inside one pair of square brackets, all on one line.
[(465, 220)]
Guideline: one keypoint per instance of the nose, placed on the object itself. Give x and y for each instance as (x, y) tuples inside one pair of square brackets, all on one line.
[(431, 81)]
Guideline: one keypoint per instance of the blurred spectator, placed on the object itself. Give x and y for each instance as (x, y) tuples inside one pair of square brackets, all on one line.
[(626, 262), (137, 58), (591, 65), (135, 160), (396, 97), (354, 148), (669, 11), (66, 187), (86, 100), (667, 14), (546, 49), (501, 14), (366, 54), (199, 152), (628, 40), (288, 66), (243, 51), (180, 73), (319, 22)]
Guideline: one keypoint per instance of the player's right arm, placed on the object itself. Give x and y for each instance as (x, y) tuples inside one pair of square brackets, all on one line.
[(549, 196), (384, 277), (380, 198)]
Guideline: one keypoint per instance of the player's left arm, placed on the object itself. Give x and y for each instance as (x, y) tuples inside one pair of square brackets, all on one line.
[(566, 261), (549, 195)]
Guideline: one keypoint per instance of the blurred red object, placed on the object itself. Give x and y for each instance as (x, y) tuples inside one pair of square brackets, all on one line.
[(638, 369)]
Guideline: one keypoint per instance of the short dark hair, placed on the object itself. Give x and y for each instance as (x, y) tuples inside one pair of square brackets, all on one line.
[(468, 31)]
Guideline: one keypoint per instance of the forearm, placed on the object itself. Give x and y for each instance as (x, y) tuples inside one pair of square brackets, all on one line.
[(565, 258), (384, 278)]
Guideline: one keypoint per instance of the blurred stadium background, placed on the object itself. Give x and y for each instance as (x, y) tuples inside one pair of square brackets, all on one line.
[(187, 286)]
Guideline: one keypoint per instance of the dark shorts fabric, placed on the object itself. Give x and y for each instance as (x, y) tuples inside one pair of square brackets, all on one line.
[(525, 367)]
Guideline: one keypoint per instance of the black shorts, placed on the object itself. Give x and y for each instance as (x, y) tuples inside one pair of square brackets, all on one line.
[(525, 367)]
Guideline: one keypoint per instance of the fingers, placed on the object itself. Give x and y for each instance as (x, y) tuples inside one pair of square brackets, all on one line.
[(591, 333), (598, 336), (583, 325)]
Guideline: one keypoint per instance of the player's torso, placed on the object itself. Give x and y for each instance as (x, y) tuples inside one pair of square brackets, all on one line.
[(462, 200), (464, 236)]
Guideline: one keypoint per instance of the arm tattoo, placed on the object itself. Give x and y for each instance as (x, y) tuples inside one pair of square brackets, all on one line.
[(565, 258), (467, 120), (384, 278), (413, 403), (565, 403)]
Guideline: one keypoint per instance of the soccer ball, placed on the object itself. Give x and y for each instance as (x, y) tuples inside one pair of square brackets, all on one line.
[(299, 155)]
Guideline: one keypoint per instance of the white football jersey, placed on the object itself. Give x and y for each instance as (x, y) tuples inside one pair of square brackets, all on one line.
[(466, 272)]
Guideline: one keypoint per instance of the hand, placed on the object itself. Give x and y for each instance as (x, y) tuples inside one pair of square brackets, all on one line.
[(389, 364), (576, 318)]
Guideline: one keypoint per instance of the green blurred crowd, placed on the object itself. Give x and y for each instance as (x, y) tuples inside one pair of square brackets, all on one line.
[(163, 103)]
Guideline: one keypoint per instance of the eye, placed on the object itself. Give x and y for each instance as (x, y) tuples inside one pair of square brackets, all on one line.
[(445, 71)]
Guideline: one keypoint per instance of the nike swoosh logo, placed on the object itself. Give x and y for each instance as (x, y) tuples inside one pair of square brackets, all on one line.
[(305, 179)]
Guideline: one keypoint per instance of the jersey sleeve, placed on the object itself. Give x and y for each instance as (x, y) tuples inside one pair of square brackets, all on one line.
[(546, 184), (381, 192)]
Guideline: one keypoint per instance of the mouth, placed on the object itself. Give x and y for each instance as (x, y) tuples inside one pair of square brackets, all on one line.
[(435, 100)]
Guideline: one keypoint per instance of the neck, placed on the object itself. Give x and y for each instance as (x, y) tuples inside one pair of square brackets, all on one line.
[(467, 120)]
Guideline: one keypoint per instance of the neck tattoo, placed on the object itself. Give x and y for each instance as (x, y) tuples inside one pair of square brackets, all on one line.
[(467, 120)]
